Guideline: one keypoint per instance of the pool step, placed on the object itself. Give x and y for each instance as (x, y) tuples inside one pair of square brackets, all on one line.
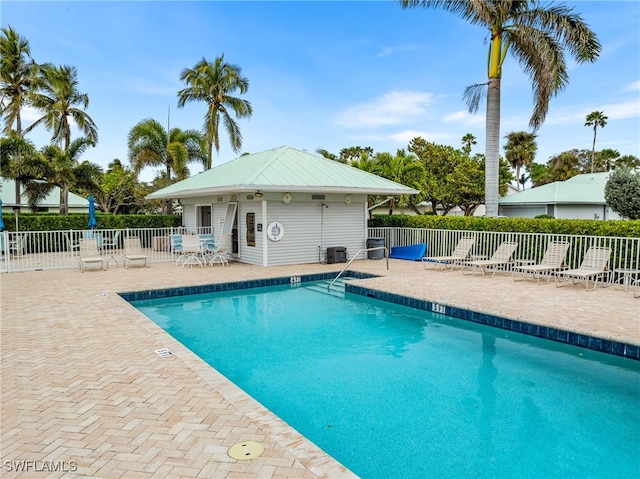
[(337, 288)]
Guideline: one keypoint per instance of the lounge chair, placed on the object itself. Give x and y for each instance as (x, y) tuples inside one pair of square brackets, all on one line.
[(133, 252), (594, 266), (459, 254), (221, 252), (553, 260), (89, 254), (501, 257)]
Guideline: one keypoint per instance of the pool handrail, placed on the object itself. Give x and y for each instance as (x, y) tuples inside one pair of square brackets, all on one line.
[(386, 255)]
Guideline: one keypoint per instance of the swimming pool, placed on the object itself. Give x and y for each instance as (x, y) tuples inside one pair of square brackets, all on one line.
[(395, 392)]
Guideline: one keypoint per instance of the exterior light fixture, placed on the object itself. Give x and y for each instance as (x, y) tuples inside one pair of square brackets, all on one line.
[(259, 194)]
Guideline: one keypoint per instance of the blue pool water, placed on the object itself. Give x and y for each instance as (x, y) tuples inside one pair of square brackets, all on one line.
[(393, 392)]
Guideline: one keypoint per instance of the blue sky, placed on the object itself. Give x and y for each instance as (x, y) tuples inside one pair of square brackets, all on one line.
[(324, 74)]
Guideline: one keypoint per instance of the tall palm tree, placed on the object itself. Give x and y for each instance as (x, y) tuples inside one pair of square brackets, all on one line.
[(17, 74), (520, 151), (537, 35), (62, 103), (214, 83), (468, 141), (595, 119), (151, 145)]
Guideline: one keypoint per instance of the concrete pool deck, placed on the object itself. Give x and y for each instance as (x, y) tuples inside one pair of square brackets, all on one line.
[(84, 392)]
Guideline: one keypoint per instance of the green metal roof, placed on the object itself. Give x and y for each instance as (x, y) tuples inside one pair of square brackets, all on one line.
[(282, 169), (8, 195), (581, 189)]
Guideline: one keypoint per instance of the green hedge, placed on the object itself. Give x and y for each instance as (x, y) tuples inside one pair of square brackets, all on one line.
[(79, 221), (621, 228)]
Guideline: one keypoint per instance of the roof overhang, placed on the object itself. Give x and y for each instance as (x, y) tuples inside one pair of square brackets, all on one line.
[(234, 189)]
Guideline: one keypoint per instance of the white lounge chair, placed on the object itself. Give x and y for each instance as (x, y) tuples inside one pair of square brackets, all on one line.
[(594, 266), (501, 257), (133, 252), (553, 260), (89, 254), (459, 254)]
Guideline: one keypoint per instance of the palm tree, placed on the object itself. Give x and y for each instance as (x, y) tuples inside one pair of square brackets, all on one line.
[(402, 168), (595, 119), (63, 169), (520, 151), (468, 141), (151, 145), (214, 83), (62, 103), (537, 35), (17, 73)]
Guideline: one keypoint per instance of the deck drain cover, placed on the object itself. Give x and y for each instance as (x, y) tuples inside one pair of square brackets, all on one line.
[(245, 451), (164, 352)]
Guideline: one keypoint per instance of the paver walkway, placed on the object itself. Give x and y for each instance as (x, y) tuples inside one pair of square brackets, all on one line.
[(84, 392)]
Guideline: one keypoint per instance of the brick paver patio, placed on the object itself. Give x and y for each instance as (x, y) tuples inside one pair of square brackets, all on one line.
[(84, 392)]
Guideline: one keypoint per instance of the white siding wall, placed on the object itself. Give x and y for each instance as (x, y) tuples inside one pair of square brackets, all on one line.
[(309, 225), (250, 254), (583, 212)]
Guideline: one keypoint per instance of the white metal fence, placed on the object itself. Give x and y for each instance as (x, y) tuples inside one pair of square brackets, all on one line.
[(625, 252), (39, 250)]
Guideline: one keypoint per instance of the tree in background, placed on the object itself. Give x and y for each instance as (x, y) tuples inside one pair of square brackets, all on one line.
[(55, 167), (118, 190), (595, 119), (151, 145), (538, 36), (520, 151), (402, 168), (468, 141), (61, 103), (622, 193), (17, 74), (214, 83)]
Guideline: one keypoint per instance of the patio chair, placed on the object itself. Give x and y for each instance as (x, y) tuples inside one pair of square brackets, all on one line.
[(553, 260), (459, 254), (500, 258), (89, 254), (208, 245), (220, 254), (112, 243), (176, 247), (594, 266), (192, 251), (133, 252)]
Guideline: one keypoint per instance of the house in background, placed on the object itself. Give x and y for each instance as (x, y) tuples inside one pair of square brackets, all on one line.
[(580, 197), (51, 203), (282, 206)]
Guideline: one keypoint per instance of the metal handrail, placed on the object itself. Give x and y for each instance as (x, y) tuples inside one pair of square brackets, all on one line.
[(386, 255)]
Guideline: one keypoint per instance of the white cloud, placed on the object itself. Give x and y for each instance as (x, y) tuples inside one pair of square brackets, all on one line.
[(633, 86), (386, 51), (577, 114), (463, 117), (406, 136), (392, 108)]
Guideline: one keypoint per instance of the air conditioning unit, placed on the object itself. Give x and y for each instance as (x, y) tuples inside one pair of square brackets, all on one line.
[(337, 254)]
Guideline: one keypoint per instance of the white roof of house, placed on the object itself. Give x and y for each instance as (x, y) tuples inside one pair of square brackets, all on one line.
[(282, 169), (580, 189)]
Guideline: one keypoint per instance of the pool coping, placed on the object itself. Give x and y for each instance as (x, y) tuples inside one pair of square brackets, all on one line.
[(606, 346)]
